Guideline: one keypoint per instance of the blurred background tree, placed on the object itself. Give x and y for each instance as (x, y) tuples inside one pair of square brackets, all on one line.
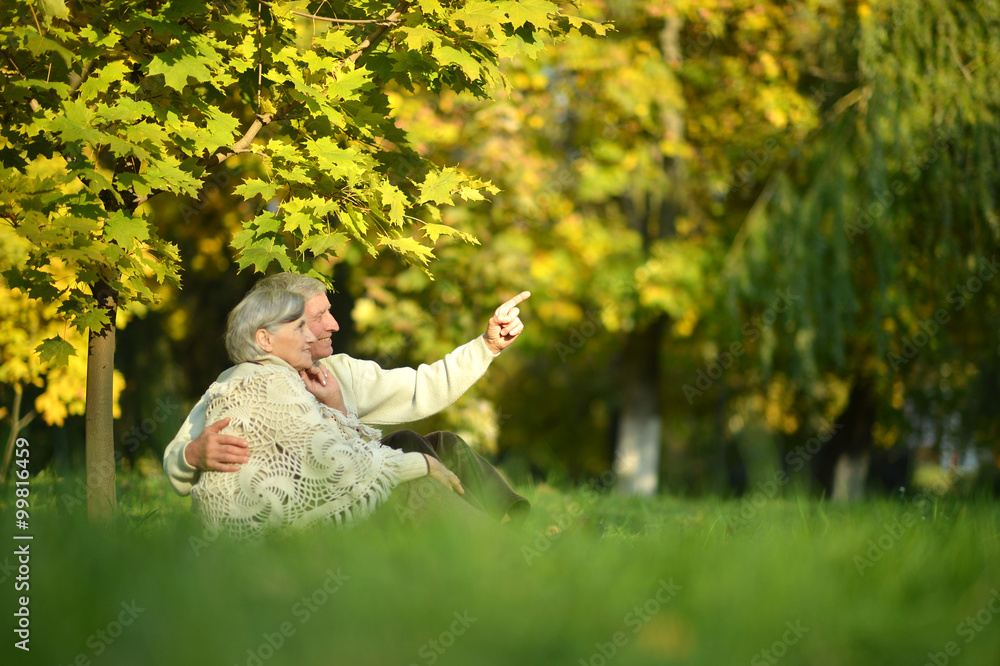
[(684, 198)]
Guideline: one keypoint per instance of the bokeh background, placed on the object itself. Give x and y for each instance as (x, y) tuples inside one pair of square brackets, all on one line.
[(754, 403)]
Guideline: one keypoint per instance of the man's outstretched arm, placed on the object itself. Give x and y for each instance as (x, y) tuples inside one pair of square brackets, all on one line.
[(403, 395)]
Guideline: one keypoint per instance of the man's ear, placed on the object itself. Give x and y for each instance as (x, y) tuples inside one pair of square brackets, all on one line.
[(263, 339)]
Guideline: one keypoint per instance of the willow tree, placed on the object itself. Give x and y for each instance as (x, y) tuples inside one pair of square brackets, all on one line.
[(108, 104), (887, 224)]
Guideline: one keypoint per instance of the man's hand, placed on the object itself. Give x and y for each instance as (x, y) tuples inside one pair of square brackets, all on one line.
[(441, 473), (216, 452), (322, 384), (504, 326)]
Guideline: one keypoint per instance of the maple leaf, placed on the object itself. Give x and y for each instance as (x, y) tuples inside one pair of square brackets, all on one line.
[(394, 198), (298, 221), (435, 231), (418, 37), (124, 229), (447, 55), (261, 253), (55, 351), (177, 68), (252, 187), (324, 243), (405, 246), (535, 12), (440, 186), (478, 15)]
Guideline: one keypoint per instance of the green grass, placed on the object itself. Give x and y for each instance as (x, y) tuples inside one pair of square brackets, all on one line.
[(577, 583)]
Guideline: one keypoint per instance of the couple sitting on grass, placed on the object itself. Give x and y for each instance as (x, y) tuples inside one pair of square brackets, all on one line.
[(285, 437)]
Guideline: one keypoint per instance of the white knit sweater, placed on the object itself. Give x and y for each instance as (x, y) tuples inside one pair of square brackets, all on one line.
[(376, 396), (308, 463)]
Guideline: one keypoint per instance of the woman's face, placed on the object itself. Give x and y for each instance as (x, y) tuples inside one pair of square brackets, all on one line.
[(291, 343)]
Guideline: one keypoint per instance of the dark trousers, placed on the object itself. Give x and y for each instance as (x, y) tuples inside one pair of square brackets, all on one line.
[(485, 488)]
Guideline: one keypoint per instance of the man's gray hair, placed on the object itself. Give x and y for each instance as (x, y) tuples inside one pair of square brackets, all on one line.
[(300, 284), (261, 308)]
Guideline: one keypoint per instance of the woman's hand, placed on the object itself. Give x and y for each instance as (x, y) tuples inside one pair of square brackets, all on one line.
[(322, 384), (438, 471)]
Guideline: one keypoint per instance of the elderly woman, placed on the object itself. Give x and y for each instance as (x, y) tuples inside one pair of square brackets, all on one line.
[(309, 462)]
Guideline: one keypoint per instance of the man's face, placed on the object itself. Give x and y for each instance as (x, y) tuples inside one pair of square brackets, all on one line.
[(322, 324)]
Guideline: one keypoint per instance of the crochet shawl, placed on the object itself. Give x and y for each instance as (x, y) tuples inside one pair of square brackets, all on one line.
[(308, 463)]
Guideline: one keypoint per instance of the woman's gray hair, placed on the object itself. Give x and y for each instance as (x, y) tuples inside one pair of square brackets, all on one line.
[(261, 308), (300, 284)]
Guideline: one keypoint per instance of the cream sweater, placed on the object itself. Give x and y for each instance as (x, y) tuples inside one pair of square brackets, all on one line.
[(374, 395), (308, 463)]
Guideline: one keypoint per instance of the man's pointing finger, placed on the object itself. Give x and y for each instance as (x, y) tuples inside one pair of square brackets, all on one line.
[(506, 307)]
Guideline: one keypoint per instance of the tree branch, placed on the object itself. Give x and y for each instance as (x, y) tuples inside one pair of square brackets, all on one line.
[(84, 73), (377, 35), (33, 103), (327, 18), (243, 145), (841, 77)]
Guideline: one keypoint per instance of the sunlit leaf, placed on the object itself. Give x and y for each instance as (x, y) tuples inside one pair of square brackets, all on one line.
[(55, 350)]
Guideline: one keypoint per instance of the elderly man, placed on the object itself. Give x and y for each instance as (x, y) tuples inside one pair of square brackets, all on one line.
[(376, 396)]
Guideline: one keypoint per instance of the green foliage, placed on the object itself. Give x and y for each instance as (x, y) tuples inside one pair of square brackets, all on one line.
[(684, 169), (621, 165), (107, 107), (38, 349), (55, 350)]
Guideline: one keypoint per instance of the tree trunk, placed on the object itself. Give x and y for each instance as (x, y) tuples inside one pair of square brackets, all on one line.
[(101, 501), (640, 426), (842, 465), (849, 477)]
